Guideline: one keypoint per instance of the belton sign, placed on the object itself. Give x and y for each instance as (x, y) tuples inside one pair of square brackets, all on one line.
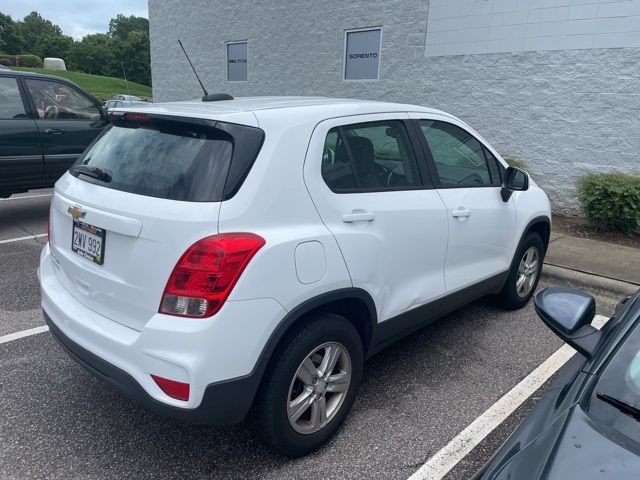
[(237, 61)]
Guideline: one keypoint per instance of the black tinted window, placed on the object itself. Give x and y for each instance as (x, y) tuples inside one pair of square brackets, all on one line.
[(11, 105), (369, 156), (55, 100), (494, 168), (458, 156), (174, 160)]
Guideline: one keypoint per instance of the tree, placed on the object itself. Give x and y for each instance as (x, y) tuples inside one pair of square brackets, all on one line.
[(121, 26), (135, 57), (126, 44), (34, 35), (131, 38), (95, 54), (11, 40), (53, 46), (34, 29)]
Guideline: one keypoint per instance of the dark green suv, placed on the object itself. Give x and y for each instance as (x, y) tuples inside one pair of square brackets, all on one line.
[(45, 124)]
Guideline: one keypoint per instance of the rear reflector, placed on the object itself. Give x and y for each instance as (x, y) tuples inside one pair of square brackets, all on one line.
[(206, 273), (177, 390)]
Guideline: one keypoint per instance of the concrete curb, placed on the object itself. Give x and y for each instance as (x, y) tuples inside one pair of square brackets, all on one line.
[(605, 285)]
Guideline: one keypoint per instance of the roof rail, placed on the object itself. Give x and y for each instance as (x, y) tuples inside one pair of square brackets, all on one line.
[(216, 97)]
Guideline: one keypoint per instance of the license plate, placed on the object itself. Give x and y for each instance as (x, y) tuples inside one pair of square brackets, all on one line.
[(88, 241)]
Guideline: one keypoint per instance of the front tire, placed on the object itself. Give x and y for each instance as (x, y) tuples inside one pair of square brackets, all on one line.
[(311, 385), (524, 274)]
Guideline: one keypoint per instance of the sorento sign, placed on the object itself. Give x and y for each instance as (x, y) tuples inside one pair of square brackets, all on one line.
[(362, 54)]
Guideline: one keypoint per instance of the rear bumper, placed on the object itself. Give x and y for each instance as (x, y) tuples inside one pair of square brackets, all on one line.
[(223, 403), (219, 357)]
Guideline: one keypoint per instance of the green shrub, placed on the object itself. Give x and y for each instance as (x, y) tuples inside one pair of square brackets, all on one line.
[(32, 61), (514, 162), (611, 200), (5, 62)]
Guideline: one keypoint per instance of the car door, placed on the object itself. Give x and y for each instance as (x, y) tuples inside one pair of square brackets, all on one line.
[(468, 179), (365, 178), (68, 120), (21, 163)]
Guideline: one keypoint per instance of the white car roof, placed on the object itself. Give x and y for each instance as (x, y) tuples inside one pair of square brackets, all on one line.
[(243, 109)]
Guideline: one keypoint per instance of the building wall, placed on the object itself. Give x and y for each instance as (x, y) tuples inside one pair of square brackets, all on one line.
[(490, 26), (564, 112)]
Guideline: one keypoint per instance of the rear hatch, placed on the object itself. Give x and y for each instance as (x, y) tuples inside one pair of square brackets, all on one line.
[(138, 197)]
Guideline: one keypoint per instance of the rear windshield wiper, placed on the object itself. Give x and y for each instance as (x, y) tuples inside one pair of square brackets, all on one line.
[(621, 405), (89, 171)]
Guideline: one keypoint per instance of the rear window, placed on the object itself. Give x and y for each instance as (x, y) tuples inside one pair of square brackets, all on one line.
[(174, 159)]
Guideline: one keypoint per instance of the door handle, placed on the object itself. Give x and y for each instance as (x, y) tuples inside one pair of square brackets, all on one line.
[(461, 213), (54, 131), (358, 216)]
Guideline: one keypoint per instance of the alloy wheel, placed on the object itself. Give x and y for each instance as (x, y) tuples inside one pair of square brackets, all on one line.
[(527, 271), (319, 387)]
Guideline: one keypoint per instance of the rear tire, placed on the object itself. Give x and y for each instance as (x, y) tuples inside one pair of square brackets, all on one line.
[(310, 386), (524, 274)]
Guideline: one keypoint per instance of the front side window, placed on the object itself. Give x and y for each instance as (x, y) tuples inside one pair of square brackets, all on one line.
[(57, 101), (459, 158), (372, 156), (11, 105)]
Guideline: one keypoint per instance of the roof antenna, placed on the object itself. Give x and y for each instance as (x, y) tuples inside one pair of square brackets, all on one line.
[(206, 97), (194, 70)]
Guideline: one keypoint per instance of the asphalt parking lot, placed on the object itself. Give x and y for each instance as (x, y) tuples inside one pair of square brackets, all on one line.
[(58, 422)]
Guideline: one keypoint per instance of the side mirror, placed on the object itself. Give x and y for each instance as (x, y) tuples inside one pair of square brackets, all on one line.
[(568, 313), (515, 180)]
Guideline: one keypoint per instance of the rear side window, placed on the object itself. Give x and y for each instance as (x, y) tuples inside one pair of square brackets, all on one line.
[(459, 158), (11, 105), (173, 159), (373, 156)]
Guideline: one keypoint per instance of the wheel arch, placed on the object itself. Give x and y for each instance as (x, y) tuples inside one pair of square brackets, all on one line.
[(540, 225), (354, 304)]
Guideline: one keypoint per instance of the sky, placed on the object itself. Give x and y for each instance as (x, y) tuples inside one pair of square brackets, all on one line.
[(76, 17)]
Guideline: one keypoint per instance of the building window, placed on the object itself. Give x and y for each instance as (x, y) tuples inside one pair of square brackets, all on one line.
[(362, 54), (237, 61)]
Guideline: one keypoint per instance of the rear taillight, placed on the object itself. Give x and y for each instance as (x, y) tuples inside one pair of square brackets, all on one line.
[(137, 117), (206, 273)]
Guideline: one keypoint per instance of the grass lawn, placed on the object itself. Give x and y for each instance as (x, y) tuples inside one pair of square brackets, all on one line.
[(102, 87)]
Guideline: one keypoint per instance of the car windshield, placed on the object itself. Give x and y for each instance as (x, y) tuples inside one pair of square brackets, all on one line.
[(620, 381)]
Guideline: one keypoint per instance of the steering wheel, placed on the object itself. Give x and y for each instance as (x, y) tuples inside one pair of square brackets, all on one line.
[(386, 173), (329, 155), (51, 111)]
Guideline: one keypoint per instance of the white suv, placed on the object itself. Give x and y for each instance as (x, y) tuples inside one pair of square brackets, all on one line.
[(210, 257)]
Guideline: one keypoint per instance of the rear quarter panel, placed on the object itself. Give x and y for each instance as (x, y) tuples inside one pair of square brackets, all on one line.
[(274, 203)]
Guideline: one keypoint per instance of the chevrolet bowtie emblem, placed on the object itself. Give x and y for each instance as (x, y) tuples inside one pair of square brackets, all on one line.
[(76, 213)]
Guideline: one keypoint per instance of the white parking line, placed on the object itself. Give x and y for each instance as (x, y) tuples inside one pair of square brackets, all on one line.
[(25, 333), (26, 196), (19, 239), (462, 444)]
